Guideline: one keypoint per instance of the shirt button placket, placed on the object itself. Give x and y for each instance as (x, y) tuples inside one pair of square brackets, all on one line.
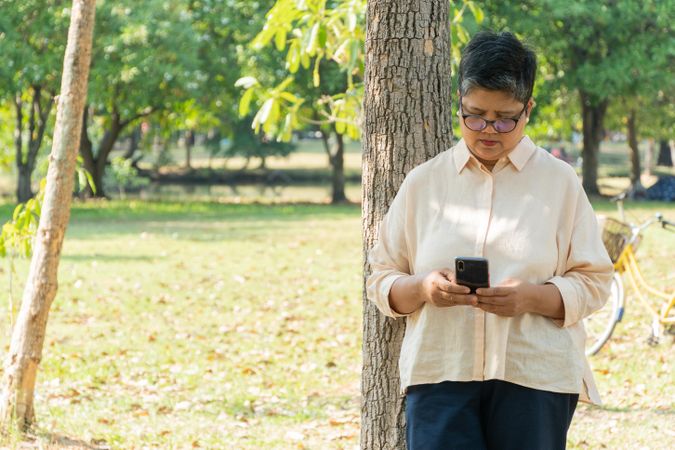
[(482, 229)]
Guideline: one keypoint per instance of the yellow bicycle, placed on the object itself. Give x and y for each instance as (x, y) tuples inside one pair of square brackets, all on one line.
[(622, 240)]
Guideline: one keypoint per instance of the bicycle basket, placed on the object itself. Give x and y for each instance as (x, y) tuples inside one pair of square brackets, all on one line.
[(615, 236)]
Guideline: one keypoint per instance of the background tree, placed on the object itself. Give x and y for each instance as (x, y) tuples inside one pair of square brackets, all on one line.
[(647, 80), (224, 28), (593, 47), (32, 39), (323, 41), (21, 363), (407, 119), (145, 62), (323, 86)]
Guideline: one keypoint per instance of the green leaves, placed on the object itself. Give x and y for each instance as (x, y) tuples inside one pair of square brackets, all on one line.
[(245, 102), (476, 11), (279, 108), (324, 39), (17, 234), (314, 38)]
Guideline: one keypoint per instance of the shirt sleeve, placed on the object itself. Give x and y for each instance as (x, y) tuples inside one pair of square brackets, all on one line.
[(389, 256), (585, 282)]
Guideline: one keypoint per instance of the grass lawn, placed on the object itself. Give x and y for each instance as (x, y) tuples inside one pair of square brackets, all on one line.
[(181, 325)]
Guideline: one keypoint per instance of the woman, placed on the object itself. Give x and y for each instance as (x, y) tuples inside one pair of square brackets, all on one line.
[(502, 368)]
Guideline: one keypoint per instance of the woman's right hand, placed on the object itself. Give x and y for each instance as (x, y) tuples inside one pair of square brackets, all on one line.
[(439, 289)]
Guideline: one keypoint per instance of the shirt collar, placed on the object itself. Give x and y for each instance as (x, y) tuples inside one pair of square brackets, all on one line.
[(518, 156)]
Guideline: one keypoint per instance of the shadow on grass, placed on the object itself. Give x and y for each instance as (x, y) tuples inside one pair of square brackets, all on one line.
[(194, 221), (46, 440)]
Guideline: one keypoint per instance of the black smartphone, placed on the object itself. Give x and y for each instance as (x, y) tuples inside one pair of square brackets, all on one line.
[(472, 272)]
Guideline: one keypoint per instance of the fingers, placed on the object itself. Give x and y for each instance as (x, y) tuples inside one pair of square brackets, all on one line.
[(452, 288), (447, 273), (493, 300), (455, 299), (444, 292), (494, 291), (446, 283)]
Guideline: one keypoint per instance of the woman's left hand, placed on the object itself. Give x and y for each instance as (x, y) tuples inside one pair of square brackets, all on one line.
[(511, 298)]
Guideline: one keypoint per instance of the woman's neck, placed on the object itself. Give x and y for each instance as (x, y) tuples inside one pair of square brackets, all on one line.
[(489, 163)]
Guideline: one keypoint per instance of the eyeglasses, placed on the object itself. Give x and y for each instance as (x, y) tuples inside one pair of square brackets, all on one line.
[(474, 122)]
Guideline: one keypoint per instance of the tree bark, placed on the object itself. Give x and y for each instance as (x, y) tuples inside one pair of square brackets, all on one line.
[(134, 141), (649, 157), (336, 160), (189, 138), (25, 353), (407, 120), (338, 175), (96, 164), (86, 149), (593, 115), (636, 188), (37, 125), (665, 156), (24, 188)]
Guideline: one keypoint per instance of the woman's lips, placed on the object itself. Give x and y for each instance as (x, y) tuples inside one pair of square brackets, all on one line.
[(488, 143)]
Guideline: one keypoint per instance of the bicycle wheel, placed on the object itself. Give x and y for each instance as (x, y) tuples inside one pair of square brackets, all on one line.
[(600, 325)]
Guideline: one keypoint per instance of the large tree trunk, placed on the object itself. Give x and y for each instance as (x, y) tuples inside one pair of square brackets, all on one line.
[(636, 188), (665, 156), (21, 363), (593, 115), (407, 120)]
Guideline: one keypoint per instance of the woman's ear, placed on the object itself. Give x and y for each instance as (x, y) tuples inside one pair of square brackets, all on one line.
[(530, 105)]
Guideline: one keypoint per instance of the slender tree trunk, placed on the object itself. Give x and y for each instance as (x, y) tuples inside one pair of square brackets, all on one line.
[(593, 115), (636, 187), (336, 160), (86, 150), (665, 156), (649, 157), (104, 148), (24, 188), (96, 164), (134, 140), (338, 164), (189, 138), (25, 353), (37, 125), (407, 120)]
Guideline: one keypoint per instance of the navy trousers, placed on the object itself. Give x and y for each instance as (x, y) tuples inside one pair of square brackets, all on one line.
[(486, 415)]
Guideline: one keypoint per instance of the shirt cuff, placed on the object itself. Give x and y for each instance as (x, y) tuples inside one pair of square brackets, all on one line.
[(385, 288), (570, 301)]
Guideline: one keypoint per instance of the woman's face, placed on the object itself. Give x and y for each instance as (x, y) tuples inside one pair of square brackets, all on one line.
[(488, 145)]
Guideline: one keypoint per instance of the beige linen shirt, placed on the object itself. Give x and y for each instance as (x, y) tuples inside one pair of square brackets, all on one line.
[(531, 219)]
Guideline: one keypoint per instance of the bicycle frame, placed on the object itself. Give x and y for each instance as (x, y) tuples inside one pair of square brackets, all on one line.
[(628, 264)]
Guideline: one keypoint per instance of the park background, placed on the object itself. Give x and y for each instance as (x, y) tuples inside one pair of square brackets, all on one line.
[(210, 286)]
